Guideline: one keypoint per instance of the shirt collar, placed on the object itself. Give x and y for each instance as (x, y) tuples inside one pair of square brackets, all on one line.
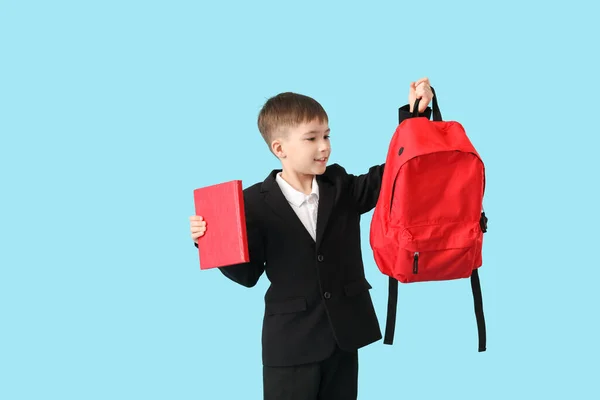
[(294, 196)]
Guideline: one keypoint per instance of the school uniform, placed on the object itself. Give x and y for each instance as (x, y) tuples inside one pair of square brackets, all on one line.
[(318, 309)]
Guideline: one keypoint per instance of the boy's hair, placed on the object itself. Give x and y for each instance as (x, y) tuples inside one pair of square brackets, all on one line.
[(287, 110)]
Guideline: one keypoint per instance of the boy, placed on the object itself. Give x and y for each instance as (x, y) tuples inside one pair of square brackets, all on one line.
[(303, 225)]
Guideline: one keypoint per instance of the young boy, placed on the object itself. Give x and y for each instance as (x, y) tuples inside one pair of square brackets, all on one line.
[(303, 225)]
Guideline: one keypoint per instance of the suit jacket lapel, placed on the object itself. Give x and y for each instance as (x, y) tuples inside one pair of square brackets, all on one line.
[(280, 206), (326, 201)]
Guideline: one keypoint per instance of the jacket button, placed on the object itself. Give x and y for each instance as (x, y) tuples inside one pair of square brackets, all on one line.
[(320, 257), (327, 295)]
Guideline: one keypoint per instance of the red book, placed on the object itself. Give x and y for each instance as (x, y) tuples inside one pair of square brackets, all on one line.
[(225, 240)]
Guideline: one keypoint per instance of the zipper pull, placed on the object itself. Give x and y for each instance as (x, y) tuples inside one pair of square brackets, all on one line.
[(416, 262)]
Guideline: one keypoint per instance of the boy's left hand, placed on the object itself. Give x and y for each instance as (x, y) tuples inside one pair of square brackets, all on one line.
[(420, 90)]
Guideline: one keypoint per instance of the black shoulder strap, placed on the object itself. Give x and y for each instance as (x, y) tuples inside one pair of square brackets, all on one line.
[(390, 324), (477, 299)]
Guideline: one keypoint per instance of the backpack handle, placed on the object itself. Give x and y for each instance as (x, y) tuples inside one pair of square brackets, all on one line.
[(437, 115)]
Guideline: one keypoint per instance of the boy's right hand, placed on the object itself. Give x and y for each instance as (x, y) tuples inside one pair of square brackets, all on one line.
[(197, 227)]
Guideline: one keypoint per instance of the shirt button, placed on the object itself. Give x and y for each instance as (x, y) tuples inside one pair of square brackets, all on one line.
[(327, 295), (320, 257)]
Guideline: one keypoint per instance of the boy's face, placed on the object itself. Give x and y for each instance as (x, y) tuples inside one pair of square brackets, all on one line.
[(305, 149)]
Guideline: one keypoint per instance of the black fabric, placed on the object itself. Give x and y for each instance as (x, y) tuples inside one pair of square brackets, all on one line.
[(390, 325), (404, 113), (318, 295), (334, 378), (478, 302), (483, 220)]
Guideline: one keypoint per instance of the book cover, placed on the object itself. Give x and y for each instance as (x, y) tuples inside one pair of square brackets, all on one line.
[(225, 240)]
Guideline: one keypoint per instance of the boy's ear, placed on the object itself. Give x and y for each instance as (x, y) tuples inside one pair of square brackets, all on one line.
[(277, 148)]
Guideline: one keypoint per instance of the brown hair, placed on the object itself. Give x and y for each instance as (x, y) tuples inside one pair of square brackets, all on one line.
[(287, 110)]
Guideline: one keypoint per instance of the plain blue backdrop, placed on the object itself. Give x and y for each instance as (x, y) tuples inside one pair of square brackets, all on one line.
[(113, 112)]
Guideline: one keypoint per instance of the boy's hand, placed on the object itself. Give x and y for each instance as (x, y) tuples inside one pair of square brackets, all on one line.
[(420, 90), (197, 227)]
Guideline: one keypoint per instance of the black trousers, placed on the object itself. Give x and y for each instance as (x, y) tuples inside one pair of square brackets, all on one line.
[(335, 378)]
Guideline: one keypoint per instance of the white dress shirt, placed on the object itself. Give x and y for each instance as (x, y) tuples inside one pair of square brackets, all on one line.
[(305, 206)]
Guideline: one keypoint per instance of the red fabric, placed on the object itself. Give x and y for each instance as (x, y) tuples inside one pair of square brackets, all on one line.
[(430, 202)]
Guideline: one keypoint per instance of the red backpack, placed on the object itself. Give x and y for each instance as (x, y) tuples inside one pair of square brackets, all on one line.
[(428, 223)]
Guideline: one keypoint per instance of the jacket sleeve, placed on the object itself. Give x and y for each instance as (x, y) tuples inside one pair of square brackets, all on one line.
[(247, 274), (404, 113), (365, 188)]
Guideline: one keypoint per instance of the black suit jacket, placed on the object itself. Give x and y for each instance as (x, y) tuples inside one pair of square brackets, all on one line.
[(318, 296)]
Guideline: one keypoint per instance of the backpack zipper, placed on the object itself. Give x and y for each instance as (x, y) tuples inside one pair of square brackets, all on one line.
[(416, 262)]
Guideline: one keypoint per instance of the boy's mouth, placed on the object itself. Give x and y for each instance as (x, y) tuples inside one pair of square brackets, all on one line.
[(322, 159)]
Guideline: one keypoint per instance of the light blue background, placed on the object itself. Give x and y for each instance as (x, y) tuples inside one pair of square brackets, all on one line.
[(112, 112)]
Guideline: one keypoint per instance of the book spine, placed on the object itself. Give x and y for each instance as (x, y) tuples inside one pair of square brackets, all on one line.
[(242, 220)]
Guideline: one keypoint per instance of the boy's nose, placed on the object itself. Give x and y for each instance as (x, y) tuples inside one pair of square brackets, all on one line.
[(325, 146)]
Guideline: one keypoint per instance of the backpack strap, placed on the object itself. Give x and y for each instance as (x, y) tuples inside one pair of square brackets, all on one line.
[(476, 288), (477, 299), (437, 114), (390, 324)]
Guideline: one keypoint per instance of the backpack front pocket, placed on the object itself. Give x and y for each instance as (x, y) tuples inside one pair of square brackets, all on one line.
[(436, 265), (436, 252)]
